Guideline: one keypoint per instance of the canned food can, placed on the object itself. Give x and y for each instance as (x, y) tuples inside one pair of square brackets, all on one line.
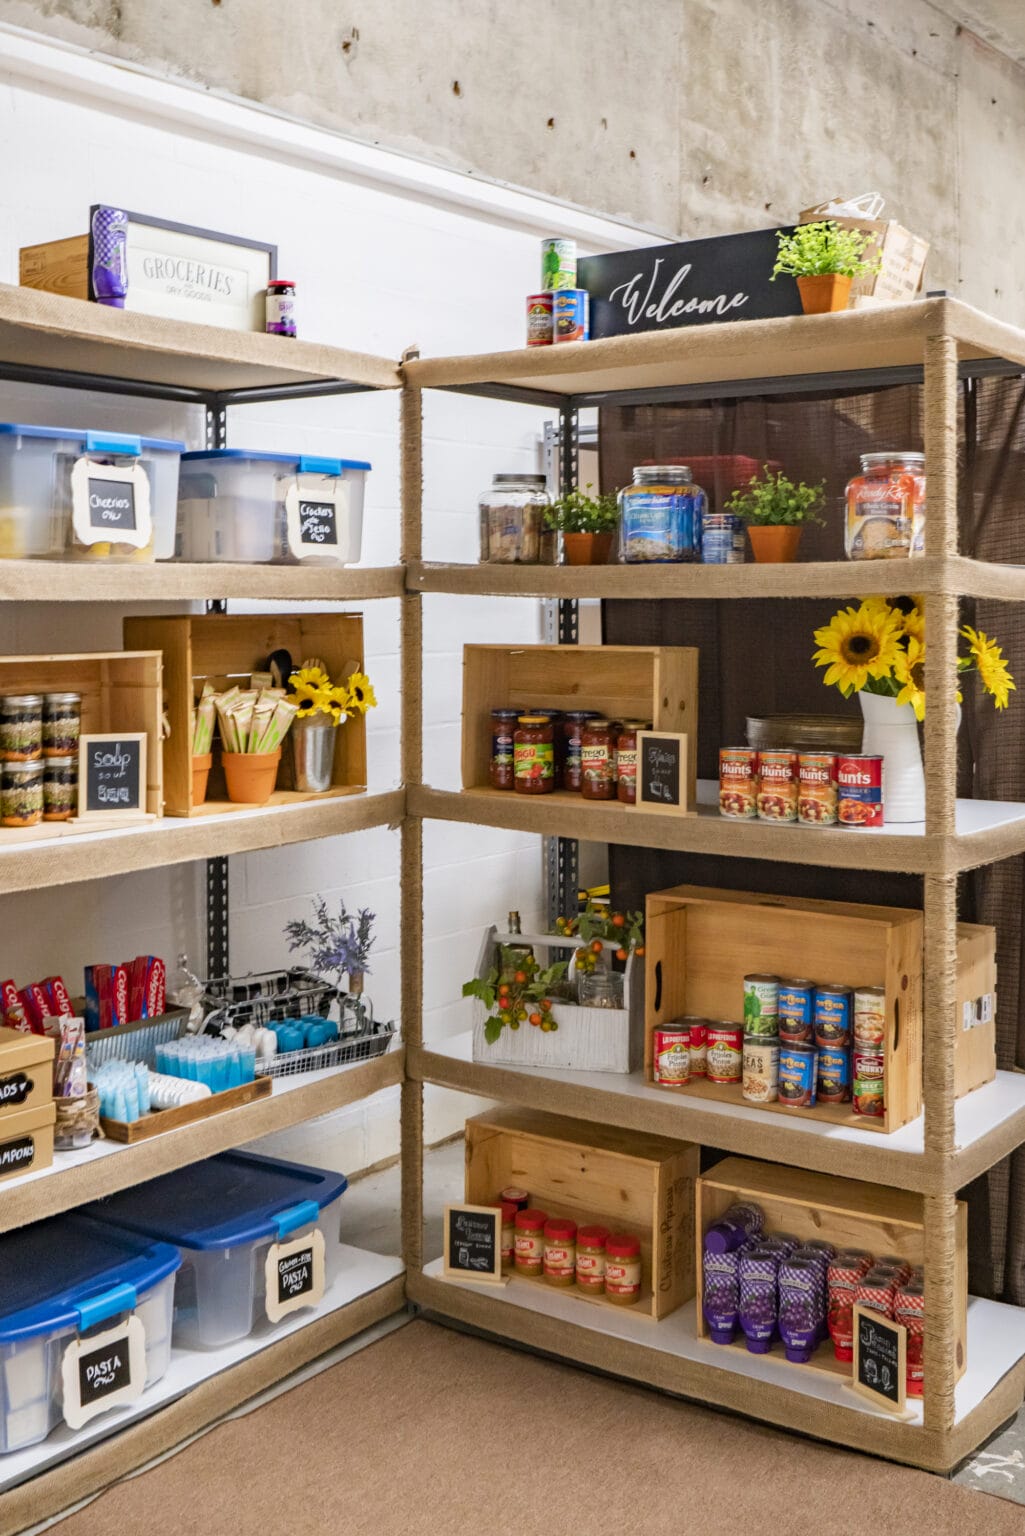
[(698, 1047), (722, 539), (870, 1016), (540, 320), (761, 1069), (833, 1015), (777, 786), (738, 783), (859, 789), (796, 1011), (571, 315), (558, 264), (671, 1045), (761, 1005), (816, 789), (725, 1053), (869, 1083), (797, 1080), (834, 1074)]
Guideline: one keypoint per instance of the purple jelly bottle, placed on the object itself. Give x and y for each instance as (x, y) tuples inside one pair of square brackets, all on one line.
[(109, 256), (720, 1295), (801, 1308), (734, 1228), (758, 1271)]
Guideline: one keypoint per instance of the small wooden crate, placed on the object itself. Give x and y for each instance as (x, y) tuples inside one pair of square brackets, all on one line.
[(632, 682), (701, 942), (975, 1053), (227, 649), (845, 1212), (623, 1180), (161, 1120)]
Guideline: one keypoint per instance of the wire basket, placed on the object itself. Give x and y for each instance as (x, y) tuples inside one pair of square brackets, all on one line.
[(371, 1042), (264, 997)]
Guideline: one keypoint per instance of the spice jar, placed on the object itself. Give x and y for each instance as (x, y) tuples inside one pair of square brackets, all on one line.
[(60, 788), (560, 1256), (886, 507), (21, 727), (591, 1259), (623, 1269), (509, 1209), (503, 727), (529, 1241), (533, 756), (626, 760), (661, 516), (512, 520), (597, 761), (21, 794), (62, 723), (573, 722)]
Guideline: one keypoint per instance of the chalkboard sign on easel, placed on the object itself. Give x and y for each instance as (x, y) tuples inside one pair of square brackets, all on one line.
[(880, 1359), (112, 774), (662, 772), (473, 1243)]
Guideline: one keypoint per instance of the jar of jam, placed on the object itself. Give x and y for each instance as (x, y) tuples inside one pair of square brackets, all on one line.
[(560, 1255), (591, 1259), (21, 727), (529, 1250), (533, 756), (886, 507), (597, 761), (626, 759), (62, 723), (21, 794), (60, 788), (573, 722), (503, 727), (623, 1269)]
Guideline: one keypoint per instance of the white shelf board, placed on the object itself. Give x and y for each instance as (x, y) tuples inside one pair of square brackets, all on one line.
[(996, 1341), (360, 1274), (973, 816)]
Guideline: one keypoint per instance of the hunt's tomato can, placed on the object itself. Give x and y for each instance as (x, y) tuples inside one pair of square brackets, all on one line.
[(671, 1065), (777, 786), (725, 1060), (816, 789), (738, 783), (859, 788)]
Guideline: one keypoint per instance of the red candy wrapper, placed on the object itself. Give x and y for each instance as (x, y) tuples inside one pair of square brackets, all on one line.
[(58, 998), (156, 987), (119, 999)]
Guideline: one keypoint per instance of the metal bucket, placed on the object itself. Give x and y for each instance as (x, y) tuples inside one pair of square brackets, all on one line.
[(313, 753)]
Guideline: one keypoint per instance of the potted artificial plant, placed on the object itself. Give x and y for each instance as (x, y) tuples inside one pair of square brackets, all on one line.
[(775, 510), (587, 524), (824, 258)]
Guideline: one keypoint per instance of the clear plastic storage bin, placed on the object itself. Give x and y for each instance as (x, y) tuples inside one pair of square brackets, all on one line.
[(223, 1215), (67, 495), (270, 508), (62, 1279)]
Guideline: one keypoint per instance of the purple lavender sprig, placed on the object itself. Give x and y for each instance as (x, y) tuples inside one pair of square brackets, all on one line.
[(335, 943)]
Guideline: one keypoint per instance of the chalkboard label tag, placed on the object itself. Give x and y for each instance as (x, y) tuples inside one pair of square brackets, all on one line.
[(317, 516), (17, 1155), (110, 503), (880, 1360), (112, 774), (14, 1090), (473, 1243), (104, 1371), (294, 1274), (662, 772)]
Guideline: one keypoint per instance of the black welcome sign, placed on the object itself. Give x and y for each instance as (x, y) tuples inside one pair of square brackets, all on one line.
[(473, 1242), (318, 522), (694, 282), (112, 773)]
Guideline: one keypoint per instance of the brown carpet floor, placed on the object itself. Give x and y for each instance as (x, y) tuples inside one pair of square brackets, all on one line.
[(430, 1431)]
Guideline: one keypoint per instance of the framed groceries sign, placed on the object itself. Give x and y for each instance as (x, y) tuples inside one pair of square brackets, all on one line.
[(112, 774), (473, 1243), (662, 772), (694, 282)]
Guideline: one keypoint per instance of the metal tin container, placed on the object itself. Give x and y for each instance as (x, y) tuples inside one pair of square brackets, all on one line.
[(540, 320), (816, 789), (738, 783), (869, 1083), (698, 1047), (859, 786), (571, 315), (761, 1069), (671, 1056), (761, 1004), (834, 1075), (833, 1015), (777, 786), (797, 1076), (725, 1053), (870, 1017), (796, 1011)]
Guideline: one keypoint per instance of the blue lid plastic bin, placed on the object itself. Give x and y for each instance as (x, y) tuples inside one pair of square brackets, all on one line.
[(270, 508), (37, 477), (222, 1215), (63, 1277)]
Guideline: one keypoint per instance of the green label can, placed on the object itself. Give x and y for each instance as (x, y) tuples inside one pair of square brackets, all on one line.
[(761, 1005)]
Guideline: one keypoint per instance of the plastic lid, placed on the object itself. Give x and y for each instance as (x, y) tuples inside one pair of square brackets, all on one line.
[(50, 1269), (592, 1237), (898, 456), (80, 435), (622, 1245), (199, 455), (534, 720), (532, 1220), (513, 1191), (21, 700), (62, 698), (233, 1198), (560, 1227)]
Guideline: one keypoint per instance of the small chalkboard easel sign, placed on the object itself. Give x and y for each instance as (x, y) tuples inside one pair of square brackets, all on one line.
[(112, 775), (473, 1243), (662, 772), (880, 1360)]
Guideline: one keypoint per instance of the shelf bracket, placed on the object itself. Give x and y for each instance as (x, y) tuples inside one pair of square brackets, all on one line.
[(218, 952), (562, 627)]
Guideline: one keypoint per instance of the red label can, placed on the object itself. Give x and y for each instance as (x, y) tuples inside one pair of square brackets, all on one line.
[(698, 1050), (738, 783), (540, 319), (777, 786), (671, 1063), (859, 781), (725, 1056), (816, 794)]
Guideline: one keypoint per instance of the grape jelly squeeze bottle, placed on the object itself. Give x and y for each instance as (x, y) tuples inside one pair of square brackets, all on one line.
[(110, 256)]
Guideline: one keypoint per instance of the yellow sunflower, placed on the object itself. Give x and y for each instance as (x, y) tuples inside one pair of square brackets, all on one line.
[(991, 665), (316, 677), (336, 699), (858, 644), (909, 672), (361, 696)]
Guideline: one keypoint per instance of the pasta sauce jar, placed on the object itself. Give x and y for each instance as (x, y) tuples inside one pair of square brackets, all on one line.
[(886, 507), (597, 761), (503, 728), (626, 760), (533, 756), (573, 722)]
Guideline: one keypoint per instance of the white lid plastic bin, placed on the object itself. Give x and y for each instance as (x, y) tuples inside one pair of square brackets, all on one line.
[(67, 494), (235, 1219), (270, 508), (71, 1279)]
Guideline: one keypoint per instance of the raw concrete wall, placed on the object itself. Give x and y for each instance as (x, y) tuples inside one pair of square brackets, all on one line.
[(697, 116)]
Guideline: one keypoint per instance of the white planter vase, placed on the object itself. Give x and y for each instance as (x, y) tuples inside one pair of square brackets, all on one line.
[(892, 731)]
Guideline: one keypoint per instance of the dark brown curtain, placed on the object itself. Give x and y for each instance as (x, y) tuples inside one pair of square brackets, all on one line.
[(756, 659)]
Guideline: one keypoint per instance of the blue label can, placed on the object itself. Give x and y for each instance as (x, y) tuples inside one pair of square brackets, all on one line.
[(833, 1015), (571, 315), (834, 1074), (797, 1076), (796, 1012)]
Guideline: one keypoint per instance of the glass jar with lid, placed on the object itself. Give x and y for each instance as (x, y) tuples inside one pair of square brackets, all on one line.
[(62, 723), (533, 756), (597, 760), (60, 788), (626, 760), (21, 727), (21, 794), (661, 516), (886, 507), (512, 520)]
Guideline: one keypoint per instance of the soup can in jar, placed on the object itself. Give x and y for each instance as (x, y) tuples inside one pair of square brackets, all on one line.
[(796, 1011), (834, 1074), (859, 788), (671, 1056), (761, 1004), (816, 791), (738, 783), (725, 1053), (761, 1069), (832, 1017), (870, 1016), (722, 539), (698, 1047), (540, 325), (777, 786), (797, 1081), (869, 1093)]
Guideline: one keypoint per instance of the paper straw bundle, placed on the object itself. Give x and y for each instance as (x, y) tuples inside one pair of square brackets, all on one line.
[(251, 720)]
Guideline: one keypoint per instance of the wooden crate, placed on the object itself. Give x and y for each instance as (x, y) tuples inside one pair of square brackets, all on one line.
[(160, 1120), (975, 1053), (228, 648), (845, 1212), (632, 682), (701, 942), (625, 1181)]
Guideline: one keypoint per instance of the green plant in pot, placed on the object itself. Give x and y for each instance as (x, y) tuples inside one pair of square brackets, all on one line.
[(825, 258), (588, 526), (776, 510)]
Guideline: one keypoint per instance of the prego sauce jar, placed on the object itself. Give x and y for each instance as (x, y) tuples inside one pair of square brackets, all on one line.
[(533, 756), (597, 761), (626, 760)]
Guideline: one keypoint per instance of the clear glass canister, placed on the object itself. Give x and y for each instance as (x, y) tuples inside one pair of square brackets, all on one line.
[(886, 507), (62, 723), (21, 727), (60, 788), (21, 794), (661, 516), (512, 520)]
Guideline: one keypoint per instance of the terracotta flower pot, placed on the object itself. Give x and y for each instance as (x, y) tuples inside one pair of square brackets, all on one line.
[(775, 544), (587, 548), (251, 775), (824, 292), (200, 774)]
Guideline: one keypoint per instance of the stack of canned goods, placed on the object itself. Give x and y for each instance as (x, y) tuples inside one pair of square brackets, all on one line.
[(560, 311), (814, 789)]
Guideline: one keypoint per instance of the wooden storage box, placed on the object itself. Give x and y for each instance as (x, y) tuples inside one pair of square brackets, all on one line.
[(975, 1052), (701, 942), (26, 1072), (845, 1212), (26, 1140), (631, 682), (626, 1181), (227, 649)]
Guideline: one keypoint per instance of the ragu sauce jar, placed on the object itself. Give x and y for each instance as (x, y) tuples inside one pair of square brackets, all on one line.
[(533, 756)]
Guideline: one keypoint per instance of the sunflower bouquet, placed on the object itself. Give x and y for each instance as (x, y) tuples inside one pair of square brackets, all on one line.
[(313, 691), (879, 647)]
